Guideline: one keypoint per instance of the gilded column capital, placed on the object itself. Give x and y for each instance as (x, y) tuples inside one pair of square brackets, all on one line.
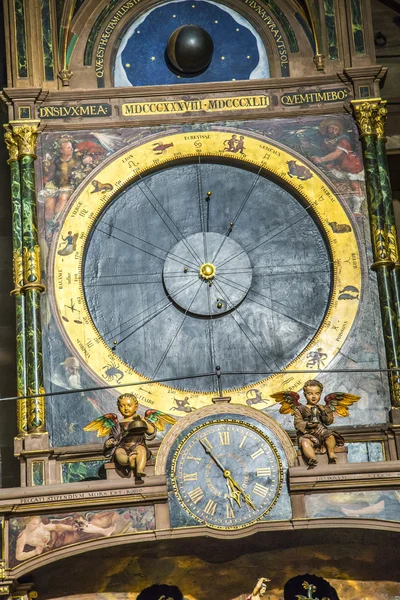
[(12, 146), (365, 112), (380, 120), (26, 133)]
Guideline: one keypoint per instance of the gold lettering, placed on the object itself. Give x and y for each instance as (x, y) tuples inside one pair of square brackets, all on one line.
[(211, 507), (257, 453), (196, 495), (243, 441), (190, 457), (264, 472), (224, 438), (260, 490)]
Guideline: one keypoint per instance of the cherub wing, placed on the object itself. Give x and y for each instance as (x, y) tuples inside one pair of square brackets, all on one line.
[(159, 419), (289, 401), (340, 401), (102, 425)]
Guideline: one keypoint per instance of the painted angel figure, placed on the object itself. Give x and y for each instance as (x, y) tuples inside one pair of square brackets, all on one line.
[(127, 439), (311, 420)]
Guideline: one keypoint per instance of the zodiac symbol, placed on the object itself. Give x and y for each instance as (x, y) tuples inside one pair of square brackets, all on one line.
[(234, 144), (298, 171), (254, 397), (316, 358), (347, 293), (74, 310), (101, 187), (182, 405), (161, 148), (70, 244), (111, 372), (339, 227)]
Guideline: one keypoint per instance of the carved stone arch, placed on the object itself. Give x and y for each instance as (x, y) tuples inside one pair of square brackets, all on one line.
[(276, 23)]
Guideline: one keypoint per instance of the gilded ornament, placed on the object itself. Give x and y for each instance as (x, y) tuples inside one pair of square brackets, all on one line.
[(12, 146), (65, 75), (36, 410), (31, 264), (381, 245), (319, 61), (380, 120), (392, 243), (394, 379), (22, 414), (26, 135), (18, 273), (365, 115)]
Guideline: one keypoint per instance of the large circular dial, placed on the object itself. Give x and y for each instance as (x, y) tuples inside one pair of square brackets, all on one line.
[(204, 250), (227, 474)]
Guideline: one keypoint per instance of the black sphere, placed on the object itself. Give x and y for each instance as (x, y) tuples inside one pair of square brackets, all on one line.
[(190, 49)]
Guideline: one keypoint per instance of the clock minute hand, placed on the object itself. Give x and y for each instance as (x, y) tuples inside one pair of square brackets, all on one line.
[(233, 494), (235, 490), (215, 459)]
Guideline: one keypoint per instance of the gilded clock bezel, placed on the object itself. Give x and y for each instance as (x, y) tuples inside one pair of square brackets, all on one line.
[(237, 422)]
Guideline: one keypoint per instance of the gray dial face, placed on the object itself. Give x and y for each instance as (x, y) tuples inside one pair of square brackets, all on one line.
[(227, 474), (178, 282)]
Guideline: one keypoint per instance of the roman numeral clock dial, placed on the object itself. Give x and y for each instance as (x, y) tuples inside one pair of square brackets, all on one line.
[(227, 474)]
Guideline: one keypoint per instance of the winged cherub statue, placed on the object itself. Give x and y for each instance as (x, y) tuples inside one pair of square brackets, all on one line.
[(126, 441), (311, 420)]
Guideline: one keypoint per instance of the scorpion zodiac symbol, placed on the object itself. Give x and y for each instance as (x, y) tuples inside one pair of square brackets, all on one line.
[(111, 373)]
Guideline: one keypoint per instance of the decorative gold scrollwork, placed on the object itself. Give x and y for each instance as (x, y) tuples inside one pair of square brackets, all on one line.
[(394, 378), (18, 273), (365, 115), (392, 243), (380, 120), (12, 146), (31, 264), (380, 241), (26, 136)]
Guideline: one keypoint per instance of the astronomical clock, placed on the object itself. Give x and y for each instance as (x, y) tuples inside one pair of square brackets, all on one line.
[(206, 278), (192, 255)]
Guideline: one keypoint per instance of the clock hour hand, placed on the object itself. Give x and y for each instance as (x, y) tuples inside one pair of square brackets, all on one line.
[(235, 486), (233, 494)]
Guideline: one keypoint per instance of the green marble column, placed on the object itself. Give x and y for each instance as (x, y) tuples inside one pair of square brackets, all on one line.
[(22, 404), (366, 113), (26, 133), (387, 199)]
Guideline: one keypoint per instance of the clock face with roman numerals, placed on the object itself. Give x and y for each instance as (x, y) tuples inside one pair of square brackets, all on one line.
[(227, 474)]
